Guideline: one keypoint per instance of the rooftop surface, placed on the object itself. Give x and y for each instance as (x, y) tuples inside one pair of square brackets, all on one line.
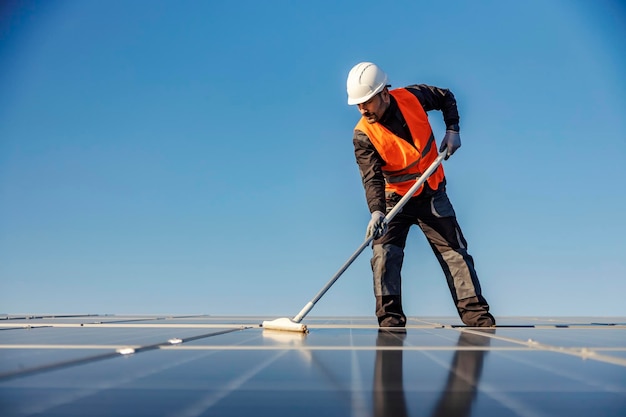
[(103, 365)]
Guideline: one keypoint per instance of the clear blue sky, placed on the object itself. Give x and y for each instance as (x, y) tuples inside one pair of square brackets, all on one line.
[(189, 157)]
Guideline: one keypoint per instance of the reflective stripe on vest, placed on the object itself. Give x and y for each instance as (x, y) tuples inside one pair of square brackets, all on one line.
[(404, 163)]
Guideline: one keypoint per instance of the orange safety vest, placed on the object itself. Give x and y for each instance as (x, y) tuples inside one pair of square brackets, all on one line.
[(404, 163)]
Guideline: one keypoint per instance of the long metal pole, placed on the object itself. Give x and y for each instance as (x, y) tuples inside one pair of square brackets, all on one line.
[(396, 209)]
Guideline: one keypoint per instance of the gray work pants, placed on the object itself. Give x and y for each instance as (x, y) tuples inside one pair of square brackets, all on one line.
[(434, 214)]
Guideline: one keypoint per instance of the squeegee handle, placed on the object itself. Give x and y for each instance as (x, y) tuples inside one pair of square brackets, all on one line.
[(420, 181), (396, 209)]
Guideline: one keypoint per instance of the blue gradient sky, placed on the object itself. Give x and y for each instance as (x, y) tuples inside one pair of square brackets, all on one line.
[(188, 157)]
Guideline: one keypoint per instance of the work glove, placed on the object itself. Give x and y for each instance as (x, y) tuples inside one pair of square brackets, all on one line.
[(377, 225), (451, 141)]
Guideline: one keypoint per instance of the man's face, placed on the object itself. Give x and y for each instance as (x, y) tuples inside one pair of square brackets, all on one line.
[(374, 108)]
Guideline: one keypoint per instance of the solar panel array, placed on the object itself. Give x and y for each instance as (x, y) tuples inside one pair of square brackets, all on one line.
[(229, 366)]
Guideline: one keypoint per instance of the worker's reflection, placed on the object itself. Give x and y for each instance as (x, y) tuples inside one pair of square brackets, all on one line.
[(463, 376), (460, 390), (388, 387)]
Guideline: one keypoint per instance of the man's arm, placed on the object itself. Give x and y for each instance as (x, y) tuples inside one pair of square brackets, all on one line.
[(435, 98), (370, 166)]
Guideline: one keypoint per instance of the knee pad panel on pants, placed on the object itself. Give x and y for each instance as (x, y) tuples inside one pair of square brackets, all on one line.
[(461, 269), (386, 265)]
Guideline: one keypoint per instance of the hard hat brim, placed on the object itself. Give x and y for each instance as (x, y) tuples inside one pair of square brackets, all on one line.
[(353, 101)]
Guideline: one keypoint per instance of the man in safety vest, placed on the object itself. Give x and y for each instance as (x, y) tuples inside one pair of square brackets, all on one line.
[(394, 144)]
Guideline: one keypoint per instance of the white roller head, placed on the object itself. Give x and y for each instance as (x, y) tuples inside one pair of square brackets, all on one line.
[(285, 324)]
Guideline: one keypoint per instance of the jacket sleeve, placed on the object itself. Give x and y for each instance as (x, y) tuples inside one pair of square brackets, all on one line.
[(435, 98), (370, 166)]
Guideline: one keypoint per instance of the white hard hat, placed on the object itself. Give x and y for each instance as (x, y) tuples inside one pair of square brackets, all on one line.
[(365, 80)]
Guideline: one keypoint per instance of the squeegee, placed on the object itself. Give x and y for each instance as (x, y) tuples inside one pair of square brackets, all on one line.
[(294, 325)]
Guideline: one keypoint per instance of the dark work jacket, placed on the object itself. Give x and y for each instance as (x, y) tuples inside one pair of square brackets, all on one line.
[(367, 157)]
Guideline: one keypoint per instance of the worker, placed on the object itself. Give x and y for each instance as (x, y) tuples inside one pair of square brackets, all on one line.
[(393, 145)]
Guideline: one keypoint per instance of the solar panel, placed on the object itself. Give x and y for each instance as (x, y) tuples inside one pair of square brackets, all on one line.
[(345, 366)]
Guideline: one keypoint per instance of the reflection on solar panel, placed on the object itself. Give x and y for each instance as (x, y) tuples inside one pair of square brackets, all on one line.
[(228, 366)]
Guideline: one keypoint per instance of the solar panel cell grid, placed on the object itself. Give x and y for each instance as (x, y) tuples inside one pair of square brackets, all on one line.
[(220, 366)]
